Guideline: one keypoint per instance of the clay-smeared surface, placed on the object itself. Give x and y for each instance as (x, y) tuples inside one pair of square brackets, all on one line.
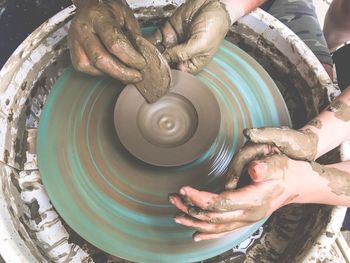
[(340, 109), (316, 123), (339, 181), (301, 145), (116, 201), (156, 76)]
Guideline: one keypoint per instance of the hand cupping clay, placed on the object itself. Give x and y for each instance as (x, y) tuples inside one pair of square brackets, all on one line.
[(193, 34)]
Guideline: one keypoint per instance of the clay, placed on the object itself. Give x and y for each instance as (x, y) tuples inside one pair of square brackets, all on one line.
[(340, 109), (275, 164), (315, 123), (339, 181), (300, 145), (156, 76), (193, 34), (175, 130), (193, 211)]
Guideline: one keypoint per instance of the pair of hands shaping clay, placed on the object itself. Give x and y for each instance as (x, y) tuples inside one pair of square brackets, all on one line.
[(281, 166), (99, 38), (268, 155)]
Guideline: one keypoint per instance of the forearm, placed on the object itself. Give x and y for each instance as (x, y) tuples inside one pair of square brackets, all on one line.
[(325, 184), (83, 3), (332, 126), (239, 8)]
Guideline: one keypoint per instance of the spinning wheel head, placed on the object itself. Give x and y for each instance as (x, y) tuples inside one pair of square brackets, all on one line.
[(118, 202)]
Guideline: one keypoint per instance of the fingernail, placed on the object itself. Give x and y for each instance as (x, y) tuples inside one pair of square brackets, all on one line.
[(182, 191), (171, 200), (171, 197), (197, 239), (177, 220)]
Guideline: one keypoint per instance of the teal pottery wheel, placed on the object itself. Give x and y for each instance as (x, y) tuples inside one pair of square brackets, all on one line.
[(119, 203)]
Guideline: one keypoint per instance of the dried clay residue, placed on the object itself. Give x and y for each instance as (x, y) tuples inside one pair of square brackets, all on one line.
[(339, 181)]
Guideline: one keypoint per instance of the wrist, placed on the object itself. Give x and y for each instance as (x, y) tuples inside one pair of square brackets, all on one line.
[(235, 10), (299, 189)]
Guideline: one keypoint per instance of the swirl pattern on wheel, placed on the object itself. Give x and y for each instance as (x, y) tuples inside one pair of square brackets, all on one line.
[(119, 203)]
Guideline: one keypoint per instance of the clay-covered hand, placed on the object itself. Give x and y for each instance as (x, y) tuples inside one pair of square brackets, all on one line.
[(296, 144), (274, 184), (98, 40), (193, 34)]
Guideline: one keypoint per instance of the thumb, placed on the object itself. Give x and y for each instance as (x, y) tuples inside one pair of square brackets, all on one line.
[(180, 53), (186, 59), (257, 171), (156, 38), (269, 168)]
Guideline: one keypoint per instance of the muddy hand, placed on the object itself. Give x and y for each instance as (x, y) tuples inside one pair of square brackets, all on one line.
[(98, 42), (297, 144), (274, 185), (193, 34)]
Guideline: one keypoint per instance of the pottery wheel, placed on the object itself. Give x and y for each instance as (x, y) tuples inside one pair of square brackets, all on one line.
[(118, 202), (175, 130)]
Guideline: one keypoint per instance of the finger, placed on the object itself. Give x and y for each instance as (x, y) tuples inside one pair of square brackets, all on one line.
[(104, 61), (130, 21), (80, 60), (124, 15), (156, 38), (219, 218), (208, 216), (178, 202), (166, 36), (201, 199), (195, 64), (268, 168), (170, 37), (205, 227), (182, 52), (117, 43), (243, 198), (244, 156), (198, 236), (295, 144)]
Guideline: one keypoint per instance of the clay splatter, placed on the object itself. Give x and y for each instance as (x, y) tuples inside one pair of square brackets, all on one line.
[(339, 181)]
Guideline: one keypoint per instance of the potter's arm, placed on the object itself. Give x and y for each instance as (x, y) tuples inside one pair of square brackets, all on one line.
[(332, 126), (239, 8)]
